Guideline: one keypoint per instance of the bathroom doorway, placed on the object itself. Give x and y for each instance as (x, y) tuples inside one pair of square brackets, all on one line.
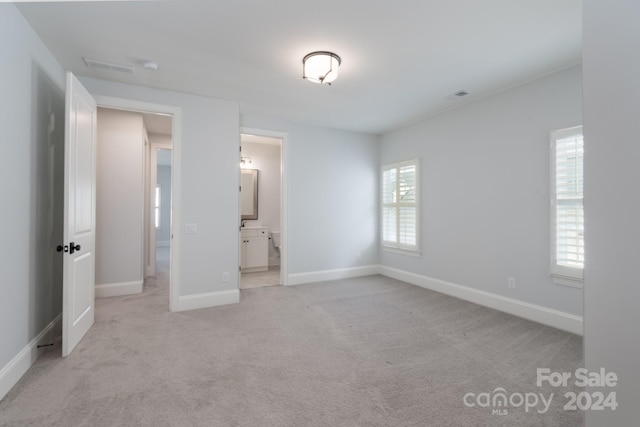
[(262, 262)]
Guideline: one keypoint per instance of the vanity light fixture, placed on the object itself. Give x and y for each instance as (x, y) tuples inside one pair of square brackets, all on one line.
[(245, 162), (321, 67)]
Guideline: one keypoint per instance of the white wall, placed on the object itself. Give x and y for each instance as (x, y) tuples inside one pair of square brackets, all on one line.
[(32, 85), (210, 138), (119, 197), (332, 196), (612, 201), (485, 190)]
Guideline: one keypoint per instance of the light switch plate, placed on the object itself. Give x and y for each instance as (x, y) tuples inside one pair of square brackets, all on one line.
[(190, 228)]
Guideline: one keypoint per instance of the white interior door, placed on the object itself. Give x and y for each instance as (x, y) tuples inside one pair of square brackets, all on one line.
[(79, 215)]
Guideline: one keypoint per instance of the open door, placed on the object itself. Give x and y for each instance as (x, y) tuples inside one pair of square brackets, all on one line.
[(79, 215)]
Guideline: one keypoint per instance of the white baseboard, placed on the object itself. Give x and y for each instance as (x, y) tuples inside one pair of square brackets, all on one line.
[(326, 275), (557, 319), (211, 299), (119, 289), (163, 244), (16, 368)]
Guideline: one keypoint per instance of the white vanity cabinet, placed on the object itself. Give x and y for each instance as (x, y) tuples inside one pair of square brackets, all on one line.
[(255, 249)]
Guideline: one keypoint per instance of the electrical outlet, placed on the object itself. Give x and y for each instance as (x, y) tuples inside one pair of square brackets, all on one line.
[(511, 283), (225, 276)]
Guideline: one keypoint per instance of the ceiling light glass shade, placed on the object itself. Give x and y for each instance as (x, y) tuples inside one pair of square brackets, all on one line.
[(320, 67)]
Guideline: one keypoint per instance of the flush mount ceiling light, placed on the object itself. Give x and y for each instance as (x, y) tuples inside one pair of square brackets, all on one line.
[(321, 67)]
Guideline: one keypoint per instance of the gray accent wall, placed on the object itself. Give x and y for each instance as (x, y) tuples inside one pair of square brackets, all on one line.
[(32, 108)]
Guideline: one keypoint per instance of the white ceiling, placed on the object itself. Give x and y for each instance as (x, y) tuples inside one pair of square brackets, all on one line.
[(401, 59)]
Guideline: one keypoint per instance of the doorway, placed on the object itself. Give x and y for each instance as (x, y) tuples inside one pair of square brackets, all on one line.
[(158, 193), (160, 147), (132, 206), (262, 208), (158, 214), (160, 210)]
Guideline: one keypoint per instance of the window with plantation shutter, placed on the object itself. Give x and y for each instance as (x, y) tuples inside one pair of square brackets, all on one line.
[(400, 206), (567, 211)]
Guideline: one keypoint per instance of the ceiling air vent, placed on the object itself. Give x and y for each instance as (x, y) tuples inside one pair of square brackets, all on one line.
[(108, 66)]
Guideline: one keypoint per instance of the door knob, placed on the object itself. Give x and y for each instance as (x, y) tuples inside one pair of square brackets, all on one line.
[(73, 247), (60, 248)]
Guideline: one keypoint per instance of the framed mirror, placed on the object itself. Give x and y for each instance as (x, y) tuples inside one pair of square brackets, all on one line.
[(249, 194)]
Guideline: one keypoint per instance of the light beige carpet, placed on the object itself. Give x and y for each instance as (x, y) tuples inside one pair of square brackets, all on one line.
[(360, 352)]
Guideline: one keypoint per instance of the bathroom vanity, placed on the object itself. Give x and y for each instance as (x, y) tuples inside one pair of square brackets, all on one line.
[(255, 249)]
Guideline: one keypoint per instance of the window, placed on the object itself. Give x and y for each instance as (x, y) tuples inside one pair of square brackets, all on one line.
[(400, 206), (157, 206), (567, 211)]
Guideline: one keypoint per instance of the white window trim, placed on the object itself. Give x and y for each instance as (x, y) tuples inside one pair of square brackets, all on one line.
[(397, 247), (409, 252), (560, 274)]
